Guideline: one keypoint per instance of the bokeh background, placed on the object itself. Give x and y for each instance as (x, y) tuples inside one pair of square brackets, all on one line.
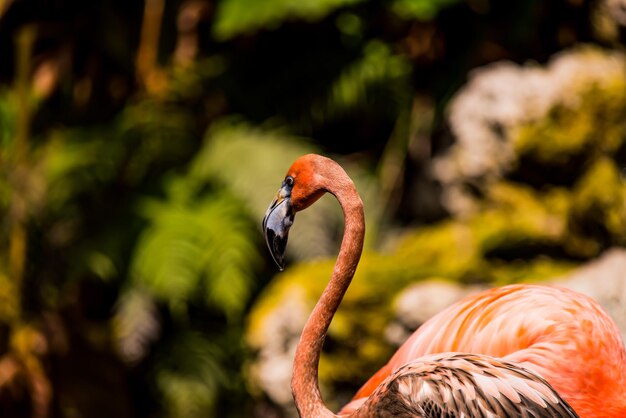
[(141, 142)]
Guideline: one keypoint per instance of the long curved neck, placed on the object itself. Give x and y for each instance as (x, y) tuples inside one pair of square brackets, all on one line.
[(304, 383)]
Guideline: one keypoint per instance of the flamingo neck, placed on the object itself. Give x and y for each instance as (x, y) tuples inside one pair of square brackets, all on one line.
[(304, 383)]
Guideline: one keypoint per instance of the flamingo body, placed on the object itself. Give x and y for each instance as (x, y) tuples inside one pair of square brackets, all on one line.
[(518, 351), (561, 335)]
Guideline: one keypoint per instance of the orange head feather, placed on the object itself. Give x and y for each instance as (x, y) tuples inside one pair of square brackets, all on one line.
[(308, 185)]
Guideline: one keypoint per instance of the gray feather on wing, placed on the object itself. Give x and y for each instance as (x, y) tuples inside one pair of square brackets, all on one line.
[(455, 385)]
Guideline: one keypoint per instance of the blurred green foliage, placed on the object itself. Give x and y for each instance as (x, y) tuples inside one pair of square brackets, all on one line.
[(420, 9), (234, 17), (140, 144), (241, 16), (586, 125), (195, 246)]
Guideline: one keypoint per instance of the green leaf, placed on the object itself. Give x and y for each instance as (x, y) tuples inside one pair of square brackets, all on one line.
[(236, 17), (196, 244), (379, 80), (420, 9), (189, 375)]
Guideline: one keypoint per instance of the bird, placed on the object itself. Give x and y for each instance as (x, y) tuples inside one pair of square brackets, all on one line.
[(520, 350)]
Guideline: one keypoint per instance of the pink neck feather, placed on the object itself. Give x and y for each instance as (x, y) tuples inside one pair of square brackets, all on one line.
[(304, 383)]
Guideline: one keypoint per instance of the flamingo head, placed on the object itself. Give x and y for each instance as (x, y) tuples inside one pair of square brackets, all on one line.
[(302, 186)]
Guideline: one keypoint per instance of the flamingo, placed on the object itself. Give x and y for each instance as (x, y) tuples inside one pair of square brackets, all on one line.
[(513, 351)]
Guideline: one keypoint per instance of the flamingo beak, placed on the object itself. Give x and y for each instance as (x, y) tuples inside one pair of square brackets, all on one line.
[(278, 219)]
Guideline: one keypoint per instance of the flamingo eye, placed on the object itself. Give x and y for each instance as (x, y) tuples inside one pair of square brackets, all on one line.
[(289, 181)]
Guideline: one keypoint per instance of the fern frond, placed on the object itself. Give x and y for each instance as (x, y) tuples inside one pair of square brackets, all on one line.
[(196, 244)]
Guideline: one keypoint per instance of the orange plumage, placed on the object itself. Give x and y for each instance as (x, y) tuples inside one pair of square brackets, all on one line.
[(562, 335)]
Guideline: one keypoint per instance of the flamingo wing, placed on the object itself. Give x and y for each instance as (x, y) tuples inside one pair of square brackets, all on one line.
[(453, 385)]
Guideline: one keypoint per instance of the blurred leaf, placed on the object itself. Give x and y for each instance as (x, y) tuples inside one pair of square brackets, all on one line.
[(235, 17), (196, 244), (420, 9), (156, 133), (380, 79), (189, 373), (597, 217), (78, 161), (8, 299), (8, 115)]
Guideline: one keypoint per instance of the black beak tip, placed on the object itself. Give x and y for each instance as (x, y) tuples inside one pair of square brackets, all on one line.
[(277, 246), (278, 219)]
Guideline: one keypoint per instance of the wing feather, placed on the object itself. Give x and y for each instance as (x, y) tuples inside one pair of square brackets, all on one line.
[(458, 385)]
